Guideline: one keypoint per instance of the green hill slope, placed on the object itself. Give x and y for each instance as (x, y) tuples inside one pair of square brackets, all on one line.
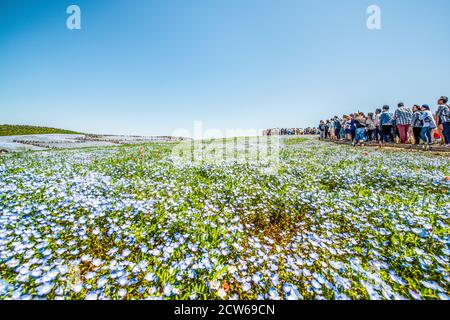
[(16, 130)]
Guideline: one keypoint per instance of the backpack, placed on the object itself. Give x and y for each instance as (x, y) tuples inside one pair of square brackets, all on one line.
[(389, 116)]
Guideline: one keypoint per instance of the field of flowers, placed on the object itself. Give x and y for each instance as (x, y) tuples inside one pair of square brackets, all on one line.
[(333, 222)]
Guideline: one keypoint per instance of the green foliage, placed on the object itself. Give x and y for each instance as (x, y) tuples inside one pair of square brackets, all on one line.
[(16, 130)]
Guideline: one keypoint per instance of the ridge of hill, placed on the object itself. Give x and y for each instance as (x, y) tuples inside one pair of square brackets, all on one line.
[(18, 130)]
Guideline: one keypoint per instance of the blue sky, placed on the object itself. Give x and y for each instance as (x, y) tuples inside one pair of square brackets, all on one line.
[(151, 67)]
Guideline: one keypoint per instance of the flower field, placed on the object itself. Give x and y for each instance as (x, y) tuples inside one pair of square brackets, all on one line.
[(333, 222)]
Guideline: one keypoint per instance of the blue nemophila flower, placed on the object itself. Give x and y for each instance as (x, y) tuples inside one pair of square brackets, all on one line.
[(90, 275), (168, 289), (101, 282), (44, 289), (62, 269), (86, 258), (122, 293), (443, 296), (91, 296), (316, 284), (432, 285), (77, 287), (246, 287), (97, 262), (83, 213), (191, 274), (150, 277), (256, 278), (371, 291), (36, 273), (13, 263)]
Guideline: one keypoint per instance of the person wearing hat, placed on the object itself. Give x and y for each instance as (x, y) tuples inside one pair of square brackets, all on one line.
[(402, 118), (386, 125), (443, 119), (428, 124)]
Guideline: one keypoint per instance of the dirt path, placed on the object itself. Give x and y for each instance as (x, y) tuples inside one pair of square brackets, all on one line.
[(435, 149)]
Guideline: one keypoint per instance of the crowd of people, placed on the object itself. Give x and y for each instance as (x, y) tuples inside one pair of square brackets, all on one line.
[(290, 131), (416, 125)]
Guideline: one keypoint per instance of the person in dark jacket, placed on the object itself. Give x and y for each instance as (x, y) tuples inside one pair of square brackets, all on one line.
[(416, 123), (386, 125), (337, 127), (352, 127)]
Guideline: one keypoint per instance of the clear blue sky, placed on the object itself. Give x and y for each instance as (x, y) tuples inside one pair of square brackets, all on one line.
[(150, 67)]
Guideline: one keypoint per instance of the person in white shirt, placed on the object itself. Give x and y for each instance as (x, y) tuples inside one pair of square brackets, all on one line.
[(443, 120), (429, 124)]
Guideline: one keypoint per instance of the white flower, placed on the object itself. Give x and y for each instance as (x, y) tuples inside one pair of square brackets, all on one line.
[(85, 258), (222, 293), (97, 262), (91, 296), (123, 281), (13, 263), (232, 269), (246, 287), (150, 277), (101, 282), (215, 285), (168, 289), (122, 293), (77, 287)]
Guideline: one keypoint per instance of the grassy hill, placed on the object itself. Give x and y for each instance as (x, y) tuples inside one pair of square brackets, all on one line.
[(16, 130)]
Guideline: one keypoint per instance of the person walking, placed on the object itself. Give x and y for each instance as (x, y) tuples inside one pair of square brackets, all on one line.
[(342, 131), (337, 128), (416, 123), (327, 128), (360, 124), (402, 118), (352, 127), (429, 124), (443, 119), (370, 122), (386, 125), (322, 130), (377, 124), (331, 129), (346, 126)]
